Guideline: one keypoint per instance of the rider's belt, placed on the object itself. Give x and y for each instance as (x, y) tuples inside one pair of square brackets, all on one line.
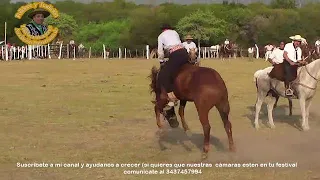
[(174, 48)]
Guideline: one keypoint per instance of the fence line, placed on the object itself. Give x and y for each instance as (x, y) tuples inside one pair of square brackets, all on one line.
[(68, 51)]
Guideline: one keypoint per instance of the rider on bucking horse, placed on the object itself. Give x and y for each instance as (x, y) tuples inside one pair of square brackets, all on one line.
[(226, 42), (292, 58), (169, 40), (189, 44)]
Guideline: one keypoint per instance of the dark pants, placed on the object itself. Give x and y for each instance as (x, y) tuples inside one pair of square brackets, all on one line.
[(289, 72), (170, 68)]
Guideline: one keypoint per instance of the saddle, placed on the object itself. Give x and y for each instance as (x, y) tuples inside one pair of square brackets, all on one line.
[(278, 72)]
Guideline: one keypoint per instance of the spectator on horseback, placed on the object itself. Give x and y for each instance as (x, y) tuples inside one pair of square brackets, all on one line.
[(317, 43), (226, 42), (276, 56), (169, 40), (189, 44), (292, 58), (36, 26)]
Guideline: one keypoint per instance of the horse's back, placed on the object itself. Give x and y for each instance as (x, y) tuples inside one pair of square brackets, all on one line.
[(192, 80)]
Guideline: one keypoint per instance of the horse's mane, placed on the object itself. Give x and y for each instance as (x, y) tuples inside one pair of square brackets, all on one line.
[(153, 77)]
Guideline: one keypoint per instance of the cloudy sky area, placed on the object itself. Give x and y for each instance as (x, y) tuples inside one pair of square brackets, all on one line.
[(174, 1)]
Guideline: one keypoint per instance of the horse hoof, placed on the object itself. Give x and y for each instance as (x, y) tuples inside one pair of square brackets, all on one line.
[(272, 126), (188, 133), (305, 128), (204, 156), (232, 149), (160, 133), (256, 126)]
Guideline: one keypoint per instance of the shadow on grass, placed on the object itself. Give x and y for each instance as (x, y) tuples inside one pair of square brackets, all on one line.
[(279, 116), (177, 136)]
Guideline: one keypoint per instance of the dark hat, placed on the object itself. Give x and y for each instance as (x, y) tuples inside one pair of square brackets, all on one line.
[(39, 11), (166, 26)]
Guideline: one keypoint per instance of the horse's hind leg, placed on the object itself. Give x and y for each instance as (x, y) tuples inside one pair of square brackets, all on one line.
[(203, 113), (290, 107), (224, 110), (270, 106), (259, 102), (181, 113), (158, 108)]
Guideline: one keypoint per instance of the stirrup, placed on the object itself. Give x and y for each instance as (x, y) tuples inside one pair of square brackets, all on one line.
[(289, 92)]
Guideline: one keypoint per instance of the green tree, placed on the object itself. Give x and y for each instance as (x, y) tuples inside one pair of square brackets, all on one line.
[(285, 4), (203, 25), (65, 23), (95, 35)]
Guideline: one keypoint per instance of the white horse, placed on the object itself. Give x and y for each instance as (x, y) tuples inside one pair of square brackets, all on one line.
[(305, 86), (214, 51)]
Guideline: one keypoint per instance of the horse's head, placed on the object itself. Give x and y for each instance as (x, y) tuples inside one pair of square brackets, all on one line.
[(192, 55)]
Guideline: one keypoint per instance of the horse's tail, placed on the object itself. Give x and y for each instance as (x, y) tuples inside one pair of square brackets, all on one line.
[(153, 77), (256, 75)]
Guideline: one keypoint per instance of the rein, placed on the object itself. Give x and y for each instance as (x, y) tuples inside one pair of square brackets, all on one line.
[(308, 72)]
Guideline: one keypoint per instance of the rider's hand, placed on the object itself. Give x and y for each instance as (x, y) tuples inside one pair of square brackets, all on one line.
[(293, 63)]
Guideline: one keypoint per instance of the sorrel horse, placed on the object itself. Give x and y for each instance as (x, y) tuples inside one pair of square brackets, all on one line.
[(201, 85), (226, 50), (193, 57)]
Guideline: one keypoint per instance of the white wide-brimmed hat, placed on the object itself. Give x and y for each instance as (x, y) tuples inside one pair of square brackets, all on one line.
[(297, 38)]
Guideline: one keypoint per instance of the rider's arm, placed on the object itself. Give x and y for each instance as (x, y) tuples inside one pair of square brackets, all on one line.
[(160, 49), (285, 55), (271, 57)]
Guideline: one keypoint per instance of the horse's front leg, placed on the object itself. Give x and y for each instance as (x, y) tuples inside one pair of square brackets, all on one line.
[(308, 105), (181, 114), (303, 114)]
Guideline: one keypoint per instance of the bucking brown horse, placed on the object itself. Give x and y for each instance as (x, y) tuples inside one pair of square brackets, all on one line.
[(226, 50), (193, 58), (309, 53), (201, 85)]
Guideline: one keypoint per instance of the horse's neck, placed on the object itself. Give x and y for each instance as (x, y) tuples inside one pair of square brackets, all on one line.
[(313, 68)]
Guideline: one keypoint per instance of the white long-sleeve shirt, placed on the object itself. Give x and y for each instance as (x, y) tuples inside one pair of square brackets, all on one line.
[(277, 56), (166, 40), (294, 54), (189, 46)]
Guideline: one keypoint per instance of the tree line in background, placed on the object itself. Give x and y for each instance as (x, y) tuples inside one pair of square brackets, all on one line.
[(123, 24)]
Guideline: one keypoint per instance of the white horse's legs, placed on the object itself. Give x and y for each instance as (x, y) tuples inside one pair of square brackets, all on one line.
[(303, 114), (308, 104), (259, 102), (270, 106)]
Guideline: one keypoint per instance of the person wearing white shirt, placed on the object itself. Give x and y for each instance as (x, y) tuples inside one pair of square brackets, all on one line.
[(269, 49), (226, 42), (250, 52), (317, 45), (169, 40), (292, 57), (189, 44), (276, 56)]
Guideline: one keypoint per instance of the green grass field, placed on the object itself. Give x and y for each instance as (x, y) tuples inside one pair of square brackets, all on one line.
[(100, 111)]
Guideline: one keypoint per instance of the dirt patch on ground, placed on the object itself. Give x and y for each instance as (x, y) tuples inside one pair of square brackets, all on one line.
[(284, 144)]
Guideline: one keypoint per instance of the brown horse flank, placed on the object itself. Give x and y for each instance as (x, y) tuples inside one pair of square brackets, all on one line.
[(201, 85)]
